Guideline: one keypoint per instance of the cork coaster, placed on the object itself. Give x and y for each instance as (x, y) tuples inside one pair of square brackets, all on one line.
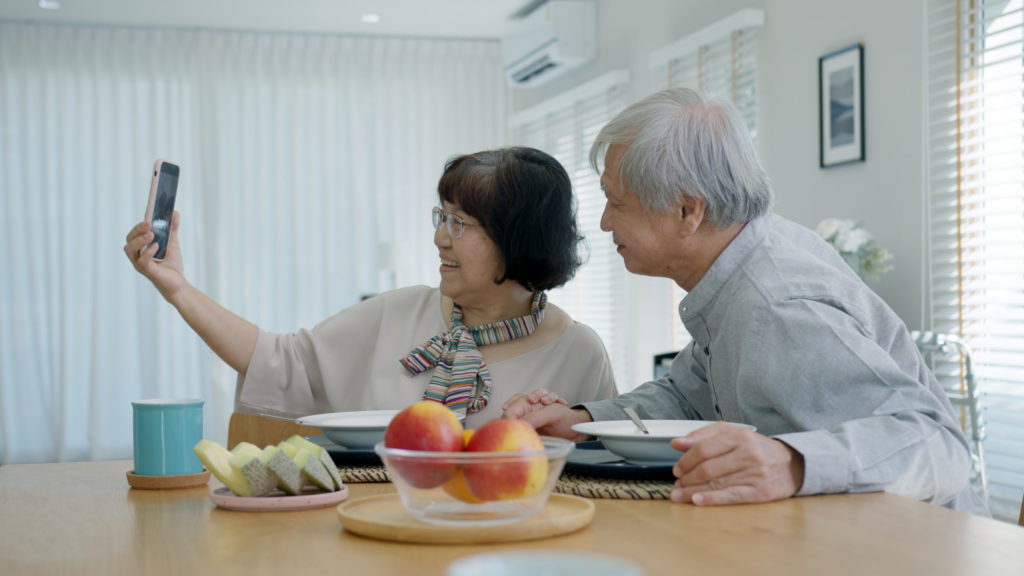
[(176, 482)]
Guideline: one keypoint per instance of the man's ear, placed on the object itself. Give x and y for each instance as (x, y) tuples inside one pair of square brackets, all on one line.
[(691, 214)]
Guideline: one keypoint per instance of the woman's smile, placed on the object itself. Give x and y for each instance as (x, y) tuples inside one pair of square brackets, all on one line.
[(448, 265)]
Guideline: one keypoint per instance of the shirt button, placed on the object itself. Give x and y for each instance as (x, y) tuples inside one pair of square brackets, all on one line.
[(706, 351)]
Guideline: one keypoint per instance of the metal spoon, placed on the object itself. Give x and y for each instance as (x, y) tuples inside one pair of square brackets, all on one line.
[(636, 420)]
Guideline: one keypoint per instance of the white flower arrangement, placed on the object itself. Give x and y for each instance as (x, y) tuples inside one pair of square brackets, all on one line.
[(857, 247)]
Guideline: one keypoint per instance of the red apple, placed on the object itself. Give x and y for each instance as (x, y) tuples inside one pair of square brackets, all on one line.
[(457, 487), (509, 479), (424, 426)]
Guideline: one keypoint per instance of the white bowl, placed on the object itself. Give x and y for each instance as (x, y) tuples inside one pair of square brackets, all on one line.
[(357, 430), (624, 439)]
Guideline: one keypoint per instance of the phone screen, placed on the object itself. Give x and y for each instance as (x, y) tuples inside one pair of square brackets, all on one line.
[(163, 206)]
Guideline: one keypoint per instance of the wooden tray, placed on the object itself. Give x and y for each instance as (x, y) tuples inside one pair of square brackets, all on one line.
[(167, 482), (385, 518)]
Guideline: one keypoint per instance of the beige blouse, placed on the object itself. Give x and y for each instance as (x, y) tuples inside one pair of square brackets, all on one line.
[(350, 361)]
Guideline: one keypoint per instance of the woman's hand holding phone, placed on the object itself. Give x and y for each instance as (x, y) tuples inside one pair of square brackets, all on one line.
[(167, 275), (230, 336)]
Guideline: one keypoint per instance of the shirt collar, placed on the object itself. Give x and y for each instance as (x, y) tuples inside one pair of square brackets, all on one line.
[(727, 263)]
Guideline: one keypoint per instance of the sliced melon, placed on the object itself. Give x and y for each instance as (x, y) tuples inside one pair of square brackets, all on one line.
[(289, 477), (217, 460), (321, 455), (259, 479), (313, 470), (245, 447), (290, 449)]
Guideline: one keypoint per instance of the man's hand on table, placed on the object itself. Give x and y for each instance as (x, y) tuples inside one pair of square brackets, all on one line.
[(726, 464), (723, 464)]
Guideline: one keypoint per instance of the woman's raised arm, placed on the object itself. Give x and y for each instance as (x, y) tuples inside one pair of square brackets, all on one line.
[(230, 336)]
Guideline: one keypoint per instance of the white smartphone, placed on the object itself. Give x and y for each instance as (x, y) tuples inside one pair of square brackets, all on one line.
[(162, 192)]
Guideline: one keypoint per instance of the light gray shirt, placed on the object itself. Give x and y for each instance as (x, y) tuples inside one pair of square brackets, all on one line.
[(787, 338), (350, 361)]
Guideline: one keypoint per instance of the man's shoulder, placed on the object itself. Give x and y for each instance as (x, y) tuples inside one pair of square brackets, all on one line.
[(793, 262)]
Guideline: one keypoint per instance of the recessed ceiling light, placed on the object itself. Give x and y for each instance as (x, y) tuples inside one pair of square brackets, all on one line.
[(371, 18), (49, 4)]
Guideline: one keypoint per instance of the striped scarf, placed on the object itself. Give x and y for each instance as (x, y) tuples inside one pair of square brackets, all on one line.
[(459, 363)]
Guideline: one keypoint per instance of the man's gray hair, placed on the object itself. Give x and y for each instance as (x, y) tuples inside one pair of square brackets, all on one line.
[(681, 142)]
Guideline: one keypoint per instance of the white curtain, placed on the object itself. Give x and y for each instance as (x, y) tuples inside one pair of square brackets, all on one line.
[(308, 163)]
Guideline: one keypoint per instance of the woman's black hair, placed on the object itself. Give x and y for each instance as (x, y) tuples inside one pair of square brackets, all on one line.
[(523, 199)]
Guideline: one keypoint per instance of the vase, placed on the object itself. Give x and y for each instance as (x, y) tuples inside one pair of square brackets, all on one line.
[(854, 262)]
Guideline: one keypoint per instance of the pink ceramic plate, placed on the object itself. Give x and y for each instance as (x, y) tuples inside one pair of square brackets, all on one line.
[(309, 499)]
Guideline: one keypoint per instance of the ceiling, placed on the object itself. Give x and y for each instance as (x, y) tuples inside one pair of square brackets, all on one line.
[(424, 18)]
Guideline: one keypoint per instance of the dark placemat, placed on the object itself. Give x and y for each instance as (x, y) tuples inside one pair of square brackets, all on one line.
[(354, 457), (620, 470)]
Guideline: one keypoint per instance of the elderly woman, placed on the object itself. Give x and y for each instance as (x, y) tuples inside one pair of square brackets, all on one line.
[(505, 233)]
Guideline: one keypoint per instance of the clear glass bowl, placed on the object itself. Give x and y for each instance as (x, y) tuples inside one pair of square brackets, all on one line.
[(475, 488)]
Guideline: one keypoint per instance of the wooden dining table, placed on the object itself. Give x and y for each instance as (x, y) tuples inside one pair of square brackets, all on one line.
[(83, 518)]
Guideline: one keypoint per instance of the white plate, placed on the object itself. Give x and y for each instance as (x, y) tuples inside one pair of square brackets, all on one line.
[(659, 429), (360, 430), (624, 439)]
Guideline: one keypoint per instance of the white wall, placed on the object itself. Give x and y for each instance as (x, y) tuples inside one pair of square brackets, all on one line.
[(885, 192)]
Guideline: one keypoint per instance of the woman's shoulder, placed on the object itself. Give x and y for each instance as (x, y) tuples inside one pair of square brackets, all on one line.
[(563, 323), (570, 333), (401, 303), (408, 298), (409, 293), (556, 321)]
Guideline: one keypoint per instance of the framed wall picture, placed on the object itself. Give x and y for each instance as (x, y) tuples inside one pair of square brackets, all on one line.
[(841, 106)]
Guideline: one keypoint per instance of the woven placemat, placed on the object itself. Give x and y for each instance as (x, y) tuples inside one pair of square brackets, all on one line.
[(363, 474), (568, 483), (589, 487)]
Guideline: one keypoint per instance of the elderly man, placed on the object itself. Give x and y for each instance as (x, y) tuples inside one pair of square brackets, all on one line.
[(786, 337)]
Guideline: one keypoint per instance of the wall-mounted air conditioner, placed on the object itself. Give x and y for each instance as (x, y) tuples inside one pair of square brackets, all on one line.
[(554, 38)]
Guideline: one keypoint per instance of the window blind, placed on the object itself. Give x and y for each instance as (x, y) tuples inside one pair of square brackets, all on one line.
[(975, 217), (565, 127), (720, 59)]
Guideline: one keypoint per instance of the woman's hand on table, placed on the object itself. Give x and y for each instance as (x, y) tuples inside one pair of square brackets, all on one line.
[(725, 464), (522, 404), (549, 414)]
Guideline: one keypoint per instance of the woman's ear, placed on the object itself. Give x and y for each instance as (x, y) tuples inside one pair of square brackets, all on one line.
[(691, 214)]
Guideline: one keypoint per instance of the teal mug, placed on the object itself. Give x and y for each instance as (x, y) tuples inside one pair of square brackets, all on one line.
[(165, 431)]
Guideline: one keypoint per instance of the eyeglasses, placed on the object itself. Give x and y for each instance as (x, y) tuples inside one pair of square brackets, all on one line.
[(456, 225)]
